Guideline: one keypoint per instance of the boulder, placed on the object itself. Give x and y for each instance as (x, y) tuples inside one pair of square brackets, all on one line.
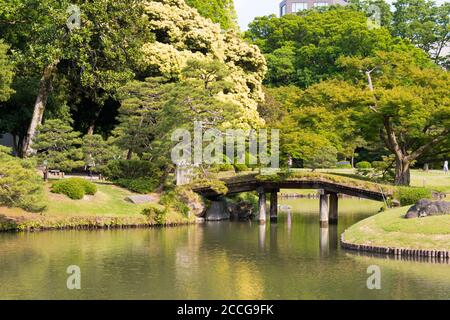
[(425, 207), (140, 199), (217, 211), (395, 203)]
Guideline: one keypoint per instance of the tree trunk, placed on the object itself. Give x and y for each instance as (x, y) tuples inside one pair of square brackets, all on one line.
[(15, 145), (91, 129), (402, 172), (129, 154), (45, 88)]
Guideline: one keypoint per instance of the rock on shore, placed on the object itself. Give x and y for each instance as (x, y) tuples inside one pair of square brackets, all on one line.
[(425, 207)]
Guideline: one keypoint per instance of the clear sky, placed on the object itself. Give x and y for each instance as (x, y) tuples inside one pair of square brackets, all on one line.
[(247, 10)]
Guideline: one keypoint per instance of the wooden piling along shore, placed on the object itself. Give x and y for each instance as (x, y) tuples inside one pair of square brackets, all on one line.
[(399, 252)]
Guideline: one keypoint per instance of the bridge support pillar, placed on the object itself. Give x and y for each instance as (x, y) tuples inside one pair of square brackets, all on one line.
[(333, 208), (274, 206), (261, 205), (323, 209)]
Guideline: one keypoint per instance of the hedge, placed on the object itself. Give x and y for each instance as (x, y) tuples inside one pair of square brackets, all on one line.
[(138, 185), (410, 195), (363, 165), (74, 188)]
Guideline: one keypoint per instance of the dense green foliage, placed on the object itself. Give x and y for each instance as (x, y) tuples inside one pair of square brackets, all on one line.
[(135, 175), (156, 213), (20, 186), (58, 145), (74, 188), (219, 11), (106, 95), (174, 199), (6, 73), (129, 169), (363, 165), (303, 49), (410, 195), (139, 185), (425, 24), (364, 89)]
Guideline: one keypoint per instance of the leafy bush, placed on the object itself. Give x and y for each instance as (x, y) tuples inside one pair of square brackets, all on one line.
[(130, 169), (173, 199), (74, 188), (343, 165), (89, 187), (363, 165), (378, 165), (71, 189), (135, 175), (139, 185), (155, 212), (382, 170), (410, 195), (20, 185)]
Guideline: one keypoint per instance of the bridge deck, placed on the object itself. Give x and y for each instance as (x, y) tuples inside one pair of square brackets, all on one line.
[(250, 183)]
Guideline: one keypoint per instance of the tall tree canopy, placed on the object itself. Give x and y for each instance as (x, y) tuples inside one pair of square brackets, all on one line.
[(408, 106), (425, 24), (219, 11), (80, 43), (75, 72), (182, 35), (302, 49), (6, 73), (332, 54)]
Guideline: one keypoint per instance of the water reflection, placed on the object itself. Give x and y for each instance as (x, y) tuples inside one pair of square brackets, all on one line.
[(261, 235), (293, 259), (324, 242)]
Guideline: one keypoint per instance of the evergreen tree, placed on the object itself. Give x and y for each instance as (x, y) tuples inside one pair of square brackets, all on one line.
[(57, 146)]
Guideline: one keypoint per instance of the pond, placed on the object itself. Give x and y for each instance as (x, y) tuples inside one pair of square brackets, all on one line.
[(292, 259)]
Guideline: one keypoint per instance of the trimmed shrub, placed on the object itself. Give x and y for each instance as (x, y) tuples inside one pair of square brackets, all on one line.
[(410, 195), (138, 185), (363, 165), (343, 165), (155, 212), (89, 187), (74, 188)]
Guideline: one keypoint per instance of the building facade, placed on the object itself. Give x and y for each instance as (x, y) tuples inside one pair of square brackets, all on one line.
[(293, 6)]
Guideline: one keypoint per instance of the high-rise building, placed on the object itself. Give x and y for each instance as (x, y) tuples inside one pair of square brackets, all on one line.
[(292, 6)]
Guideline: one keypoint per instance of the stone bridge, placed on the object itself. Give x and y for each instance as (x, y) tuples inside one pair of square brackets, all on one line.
[(328, 190)]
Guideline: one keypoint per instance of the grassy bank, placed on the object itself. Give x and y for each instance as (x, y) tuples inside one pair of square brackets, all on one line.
[(106, 209), (390, 229)]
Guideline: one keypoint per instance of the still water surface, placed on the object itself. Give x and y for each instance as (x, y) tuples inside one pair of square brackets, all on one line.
[(229, 260)]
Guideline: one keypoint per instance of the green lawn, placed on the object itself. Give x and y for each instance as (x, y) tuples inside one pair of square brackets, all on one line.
[(434, 179), (109, 200), (106, 209), (390, 229)]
